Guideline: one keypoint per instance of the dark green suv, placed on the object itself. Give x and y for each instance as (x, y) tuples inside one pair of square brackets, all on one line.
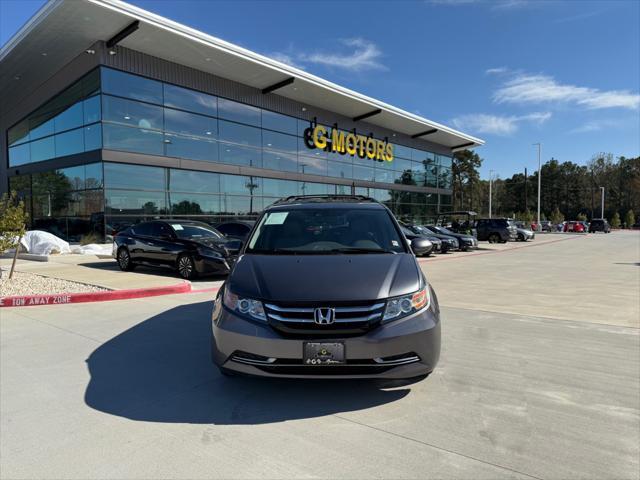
[(496, 230)]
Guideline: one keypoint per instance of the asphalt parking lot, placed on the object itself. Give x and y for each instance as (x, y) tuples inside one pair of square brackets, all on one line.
[(539, 378)]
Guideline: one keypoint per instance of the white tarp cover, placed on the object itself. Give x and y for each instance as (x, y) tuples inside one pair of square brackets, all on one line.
[(92, 249), (44, 243)]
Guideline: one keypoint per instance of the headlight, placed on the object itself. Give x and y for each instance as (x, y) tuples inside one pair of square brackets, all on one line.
[(399, 307), (244, 306)]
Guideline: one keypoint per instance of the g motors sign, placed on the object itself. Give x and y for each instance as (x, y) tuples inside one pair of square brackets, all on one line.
[(349, 143)]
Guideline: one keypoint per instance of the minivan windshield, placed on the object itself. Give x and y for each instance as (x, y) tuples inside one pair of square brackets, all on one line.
[(323, 231)]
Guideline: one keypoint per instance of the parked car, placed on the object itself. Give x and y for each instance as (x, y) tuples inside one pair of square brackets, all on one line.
[(546, 226), (524, 234), (327, 287), (448, 242), (191, 248), (576, 227), (496, 230), (599, 225), (436, 244), (236, 229), (465, 242)]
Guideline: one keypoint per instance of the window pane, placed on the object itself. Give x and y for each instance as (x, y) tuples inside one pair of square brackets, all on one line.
[(237, 155), (240, 134), (131, 86), (192, 181), (71, 117), (91, 83), (286, 162), (19, 133), (135, 114), (240, 205), (361, 172), (445, 161), (194, 204), (445, 199), (190, 124), (279, 141), (191, 100), (19, 155), (384, 176), (93, 175), (418, 155), (42, 149), (307, 188), (69, 143), (123, 202), (279, 188), (316, 166), (92, 137), (238, 112), (73, 175), (41, 126), (132, 139), (92, 110), (339, 169), (238, 184), (303, 149), (401, 151), (191, 147), (444, 177), (119, 175), (279, 122)]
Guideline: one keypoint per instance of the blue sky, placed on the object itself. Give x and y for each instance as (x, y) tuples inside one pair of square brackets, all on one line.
[(513, 72)]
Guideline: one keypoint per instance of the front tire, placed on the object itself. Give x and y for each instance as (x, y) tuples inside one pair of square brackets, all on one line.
[(124, 260), (186, 267)]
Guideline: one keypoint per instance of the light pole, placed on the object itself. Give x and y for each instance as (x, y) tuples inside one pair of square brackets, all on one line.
[(601, 202), (539, 183), (490, 180)]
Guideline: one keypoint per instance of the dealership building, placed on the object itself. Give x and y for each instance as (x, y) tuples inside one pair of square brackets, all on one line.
[(111, 114)]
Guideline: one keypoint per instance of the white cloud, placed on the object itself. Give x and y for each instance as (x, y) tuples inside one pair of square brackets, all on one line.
[(595, 126), (531, 89), (496, 70), (284, 58), (496, 124), (362, 55)]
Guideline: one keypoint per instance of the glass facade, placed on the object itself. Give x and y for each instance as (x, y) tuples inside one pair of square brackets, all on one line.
[(114, 110), (66, 125)]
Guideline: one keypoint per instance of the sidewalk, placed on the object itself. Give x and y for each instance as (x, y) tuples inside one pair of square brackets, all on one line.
[(105, 273)]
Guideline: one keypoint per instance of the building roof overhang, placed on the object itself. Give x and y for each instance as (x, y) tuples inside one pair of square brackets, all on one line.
[(62, 29)]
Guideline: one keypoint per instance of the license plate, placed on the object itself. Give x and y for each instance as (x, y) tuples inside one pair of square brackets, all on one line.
[(323, 353)]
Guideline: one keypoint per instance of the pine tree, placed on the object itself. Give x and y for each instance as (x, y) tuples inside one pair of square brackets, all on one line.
[(615, 220), (629, 219)]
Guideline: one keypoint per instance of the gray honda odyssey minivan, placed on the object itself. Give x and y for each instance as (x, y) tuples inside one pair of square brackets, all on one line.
[(327, 287)]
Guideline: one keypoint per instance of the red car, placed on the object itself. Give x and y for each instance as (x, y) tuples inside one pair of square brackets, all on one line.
[(577, 227)]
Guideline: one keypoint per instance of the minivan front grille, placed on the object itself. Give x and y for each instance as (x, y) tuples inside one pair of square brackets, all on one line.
[(348, 320)]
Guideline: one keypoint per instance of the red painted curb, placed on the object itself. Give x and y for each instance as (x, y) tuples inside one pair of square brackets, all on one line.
[(66, 298)]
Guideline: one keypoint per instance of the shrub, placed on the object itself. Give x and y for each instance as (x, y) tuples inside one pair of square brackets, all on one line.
[(615, 220), (13, 219), (630, 219)]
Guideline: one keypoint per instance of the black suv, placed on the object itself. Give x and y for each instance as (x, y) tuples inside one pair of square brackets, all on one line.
[(496, 230), (599, 225), (327, 286)]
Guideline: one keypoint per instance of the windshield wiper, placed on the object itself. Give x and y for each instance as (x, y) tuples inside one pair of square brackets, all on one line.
[(361, 250)]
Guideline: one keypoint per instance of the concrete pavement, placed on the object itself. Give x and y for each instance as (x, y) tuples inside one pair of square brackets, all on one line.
[(126, 390)]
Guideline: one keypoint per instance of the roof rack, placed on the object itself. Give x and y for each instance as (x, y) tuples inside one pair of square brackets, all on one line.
[(316, 198)]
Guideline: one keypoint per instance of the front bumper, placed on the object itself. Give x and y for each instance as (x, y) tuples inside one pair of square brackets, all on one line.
[(415, 335), (206, 265)]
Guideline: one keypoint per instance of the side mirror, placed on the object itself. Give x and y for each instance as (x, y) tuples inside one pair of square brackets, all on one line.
[(421, 246)]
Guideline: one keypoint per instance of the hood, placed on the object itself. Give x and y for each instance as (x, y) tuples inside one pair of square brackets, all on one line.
[(217, 244), (325, 278)]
